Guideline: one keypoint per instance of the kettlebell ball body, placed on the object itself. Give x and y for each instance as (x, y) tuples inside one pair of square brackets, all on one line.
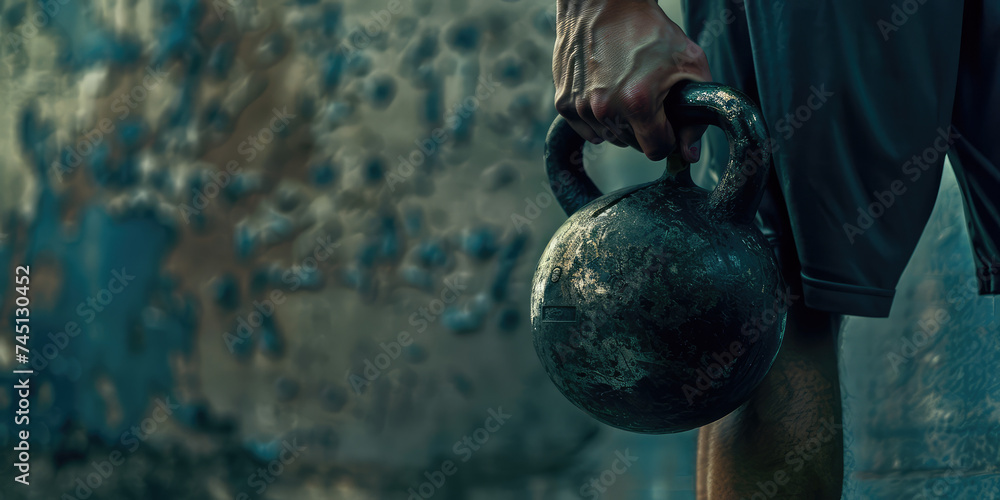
[(658, 308)]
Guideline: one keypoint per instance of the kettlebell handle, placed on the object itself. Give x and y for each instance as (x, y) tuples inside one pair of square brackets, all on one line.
[(739, 191)]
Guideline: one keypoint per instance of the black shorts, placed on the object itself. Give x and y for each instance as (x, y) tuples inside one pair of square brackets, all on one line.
[(863, 99)]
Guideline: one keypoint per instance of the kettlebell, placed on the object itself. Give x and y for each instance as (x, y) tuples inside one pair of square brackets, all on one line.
[(657, 308)]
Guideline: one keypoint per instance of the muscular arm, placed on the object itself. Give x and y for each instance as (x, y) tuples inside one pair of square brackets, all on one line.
[(614, 62)]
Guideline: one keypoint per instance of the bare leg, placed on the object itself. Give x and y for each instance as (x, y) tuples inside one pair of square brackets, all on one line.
[(786, 442)]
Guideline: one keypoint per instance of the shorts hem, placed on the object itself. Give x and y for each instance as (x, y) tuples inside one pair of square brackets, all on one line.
[(843, 298)]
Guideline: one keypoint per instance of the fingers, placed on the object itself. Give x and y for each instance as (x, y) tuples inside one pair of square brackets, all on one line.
[(569, 112), (649, 132), (597, 113), (688, 136), (633, 115), (581, 115), (655, 135), (687, 140)]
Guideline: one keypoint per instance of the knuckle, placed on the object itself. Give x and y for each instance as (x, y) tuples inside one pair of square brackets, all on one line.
[(566, 106), (636, 100), (602, 109), (637, 106)]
